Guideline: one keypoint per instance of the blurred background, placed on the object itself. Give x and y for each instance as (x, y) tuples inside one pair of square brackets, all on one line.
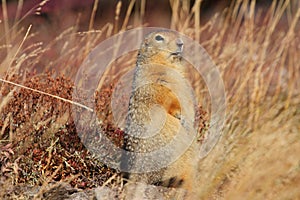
[(57, 15), (50, 19)]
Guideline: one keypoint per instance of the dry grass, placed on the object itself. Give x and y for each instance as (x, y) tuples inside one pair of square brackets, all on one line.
[(257, 54)]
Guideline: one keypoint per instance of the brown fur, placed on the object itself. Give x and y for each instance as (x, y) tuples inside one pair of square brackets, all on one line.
[(160, 80)]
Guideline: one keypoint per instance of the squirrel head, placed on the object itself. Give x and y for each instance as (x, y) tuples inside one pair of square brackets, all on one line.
[(161, 46)]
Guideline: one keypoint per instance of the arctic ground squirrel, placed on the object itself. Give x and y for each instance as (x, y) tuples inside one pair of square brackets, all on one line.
[(161, 113)]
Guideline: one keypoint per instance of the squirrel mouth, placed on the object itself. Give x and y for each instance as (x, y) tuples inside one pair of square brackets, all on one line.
[(177, 54)]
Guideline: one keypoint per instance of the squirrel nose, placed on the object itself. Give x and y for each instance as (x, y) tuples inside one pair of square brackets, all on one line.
[(179, 44)]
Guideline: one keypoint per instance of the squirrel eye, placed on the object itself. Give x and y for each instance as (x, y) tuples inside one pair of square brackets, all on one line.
[(159, 38)]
